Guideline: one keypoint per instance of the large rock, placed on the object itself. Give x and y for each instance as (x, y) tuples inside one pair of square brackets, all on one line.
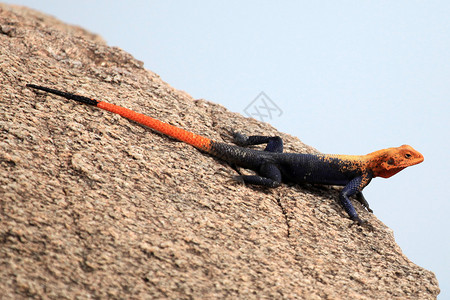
[(95, 206)]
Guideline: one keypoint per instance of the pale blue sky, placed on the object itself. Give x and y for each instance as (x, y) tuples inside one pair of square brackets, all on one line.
[(351, 77)]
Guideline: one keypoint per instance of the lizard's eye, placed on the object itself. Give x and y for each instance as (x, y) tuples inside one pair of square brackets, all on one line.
[(407, 155)]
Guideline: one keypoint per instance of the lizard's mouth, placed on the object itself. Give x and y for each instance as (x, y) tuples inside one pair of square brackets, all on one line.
[(419, 159), (409, 163)]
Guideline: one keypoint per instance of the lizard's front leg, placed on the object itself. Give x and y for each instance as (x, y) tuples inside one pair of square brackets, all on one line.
[(355, 186)]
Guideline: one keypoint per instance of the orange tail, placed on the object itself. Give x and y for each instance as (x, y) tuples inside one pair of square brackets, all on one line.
[(188, 137)]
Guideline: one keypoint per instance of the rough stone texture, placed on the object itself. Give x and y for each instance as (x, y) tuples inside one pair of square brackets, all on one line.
[(95, 206)]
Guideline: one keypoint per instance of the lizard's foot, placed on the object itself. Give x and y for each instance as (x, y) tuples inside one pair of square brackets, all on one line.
[(362, 224), (238, 178), (240, 138), (359, 221)]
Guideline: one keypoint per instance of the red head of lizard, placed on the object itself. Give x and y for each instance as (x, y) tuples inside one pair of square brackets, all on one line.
[(388, 162)]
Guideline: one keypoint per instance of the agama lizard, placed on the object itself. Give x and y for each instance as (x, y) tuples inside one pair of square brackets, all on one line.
[(354, 172)]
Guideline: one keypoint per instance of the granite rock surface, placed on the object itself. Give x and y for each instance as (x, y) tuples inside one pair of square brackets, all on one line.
[(95, 206)]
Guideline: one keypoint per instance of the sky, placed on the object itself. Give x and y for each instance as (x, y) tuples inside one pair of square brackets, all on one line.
[(347, 77)]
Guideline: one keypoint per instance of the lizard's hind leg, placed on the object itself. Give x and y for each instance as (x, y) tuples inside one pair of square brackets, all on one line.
[(269, 176), (274, 143)]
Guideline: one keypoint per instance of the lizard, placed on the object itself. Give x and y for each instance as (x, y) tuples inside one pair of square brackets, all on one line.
[(273, 166)]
